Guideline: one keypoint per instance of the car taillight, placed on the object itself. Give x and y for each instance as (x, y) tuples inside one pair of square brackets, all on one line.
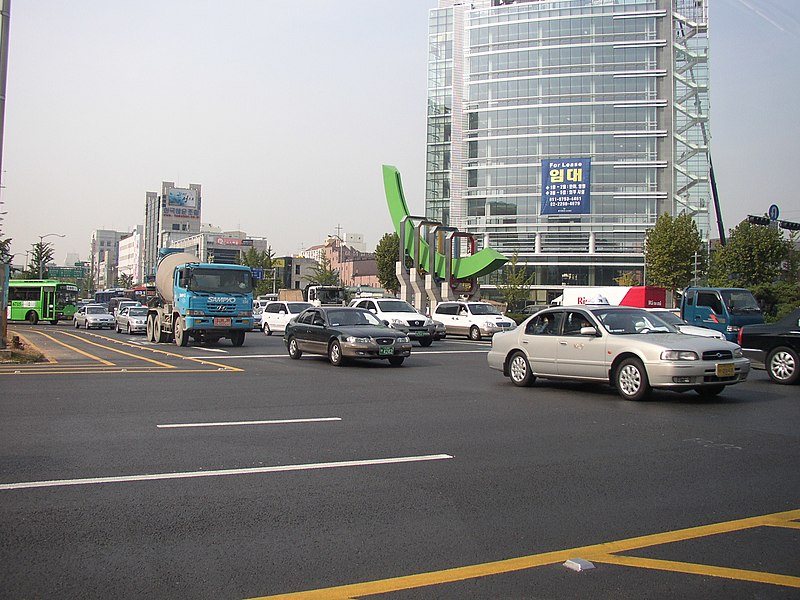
[(739, 337)]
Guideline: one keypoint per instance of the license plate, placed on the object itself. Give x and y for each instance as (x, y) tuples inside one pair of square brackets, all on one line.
[(420, 334), (222, 321), (384, 350), (726, 370)]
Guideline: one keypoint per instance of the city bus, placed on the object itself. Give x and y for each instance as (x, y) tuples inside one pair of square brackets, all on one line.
[(34, 300)]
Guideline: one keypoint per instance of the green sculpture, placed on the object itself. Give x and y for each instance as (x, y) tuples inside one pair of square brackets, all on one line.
[(481, 263)]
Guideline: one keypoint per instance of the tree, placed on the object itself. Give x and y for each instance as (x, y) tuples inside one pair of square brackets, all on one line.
[(760, 259), (125, 281), (5, 250), (386, 254), (516, 288), (323, 274), (629, 278), (261, 259), (42, 254), (673, 252)]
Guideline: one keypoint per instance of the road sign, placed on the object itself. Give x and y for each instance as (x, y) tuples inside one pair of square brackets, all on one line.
[(773, 212)]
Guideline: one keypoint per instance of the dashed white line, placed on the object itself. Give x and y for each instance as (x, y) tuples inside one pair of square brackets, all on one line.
[(233, 423), (221, 473)]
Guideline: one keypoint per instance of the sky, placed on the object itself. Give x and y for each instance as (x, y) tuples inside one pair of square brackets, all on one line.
[(284, 113)]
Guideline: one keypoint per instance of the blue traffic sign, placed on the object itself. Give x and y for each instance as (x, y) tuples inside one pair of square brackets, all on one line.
[(773, 212)]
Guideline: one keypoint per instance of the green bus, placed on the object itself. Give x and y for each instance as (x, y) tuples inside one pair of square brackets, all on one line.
[(34, 300)]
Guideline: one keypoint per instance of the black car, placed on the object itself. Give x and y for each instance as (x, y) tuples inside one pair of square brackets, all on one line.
[(342, 333), (777, 345)]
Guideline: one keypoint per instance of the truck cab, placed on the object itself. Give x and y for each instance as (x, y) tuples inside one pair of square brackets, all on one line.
[(722, 309)]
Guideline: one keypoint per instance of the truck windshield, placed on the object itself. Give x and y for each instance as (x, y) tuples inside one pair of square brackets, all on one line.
[(740, 302), (215, 281)]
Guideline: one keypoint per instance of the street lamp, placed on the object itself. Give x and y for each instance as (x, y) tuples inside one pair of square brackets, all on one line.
[(41, 249)]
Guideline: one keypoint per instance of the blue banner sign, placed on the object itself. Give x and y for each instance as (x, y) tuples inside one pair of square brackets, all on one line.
[(565, 186)]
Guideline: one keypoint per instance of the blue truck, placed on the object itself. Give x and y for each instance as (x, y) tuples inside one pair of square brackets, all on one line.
[(722, 309), (203, 301)]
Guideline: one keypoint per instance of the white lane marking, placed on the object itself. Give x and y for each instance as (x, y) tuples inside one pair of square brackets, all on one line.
[(284, 355), (223, 472), (273, 422), (212, 349), (452, 352)]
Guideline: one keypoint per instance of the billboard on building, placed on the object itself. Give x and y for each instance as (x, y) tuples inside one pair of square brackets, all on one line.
[(565, 186), (182, 198)]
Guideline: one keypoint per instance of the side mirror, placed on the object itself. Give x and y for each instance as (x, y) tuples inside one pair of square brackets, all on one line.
[(385, 322), (588, 331)]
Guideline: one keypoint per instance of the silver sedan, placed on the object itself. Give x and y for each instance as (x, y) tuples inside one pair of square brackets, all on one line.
[(629, 348), (132, 319)]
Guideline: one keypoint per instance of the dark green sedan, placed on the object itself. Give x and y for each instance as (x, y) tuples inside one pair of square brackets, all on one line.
[(342, 333)]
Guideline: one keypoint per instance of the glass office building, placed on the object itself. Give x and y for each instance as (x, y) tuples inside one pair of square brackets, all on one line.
[(559, 130)]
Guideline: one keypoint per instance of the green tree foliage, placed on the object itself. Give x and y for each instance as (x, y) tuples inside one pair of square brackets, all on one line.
[(5, 250), (323, 274), (124, 281), (261, 259), (516, 289), (761, 259), (41, 255), (386, 254), (628, 278), (674, 252)]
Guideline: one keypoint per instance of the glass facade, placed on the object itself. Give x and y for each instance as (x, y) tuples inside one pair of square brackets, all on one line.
[(623, 83)]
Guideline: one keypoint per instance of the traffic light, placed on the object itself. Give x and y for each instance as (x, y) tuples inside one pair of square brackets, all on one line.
[(757, 220), (790, 225)]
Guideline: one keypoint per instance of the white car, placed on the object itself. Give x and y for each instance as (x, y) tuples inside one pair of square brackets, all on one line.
[(630, 348), (278, 313), (684, 327), (131, 319), (473, 319), (93, 316), (400, 315)]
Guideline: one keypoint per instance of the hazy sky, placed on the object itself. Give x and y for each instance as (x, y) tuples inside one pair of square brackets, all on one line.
[(285, 111)]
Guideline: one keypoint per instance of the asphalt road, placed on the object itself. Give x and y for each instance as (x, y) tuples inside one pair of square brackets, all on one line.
[(130, 470)]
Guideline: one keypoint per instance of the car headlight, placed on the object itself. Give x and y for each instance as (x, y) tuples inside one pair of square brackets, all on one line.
[(398, 323), (737, 353), (244, 313), (679, 355), (194, 313), (403, 340), (351, 339), (429, 322)]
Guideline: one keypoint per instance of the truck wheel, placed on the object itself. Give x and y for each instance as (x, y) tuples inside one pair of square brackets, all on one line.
[(294, 350), (631, 380), (783, 365), (158, 331), (474, 333), (237, 337), (181, 337), (151, 328)]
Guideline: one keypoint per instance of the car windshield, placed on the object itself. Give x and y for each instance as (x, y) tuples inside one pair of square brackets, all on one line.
[(137, 311), (297, 307), (740, 302), (396, 306), (626, 322), (226, 281), (95, 310), (337, 318), (483, 309), (669, 317)]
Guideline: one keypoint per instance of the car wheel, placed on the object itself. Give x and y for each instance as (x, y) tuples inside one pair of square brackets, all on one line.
[(425, 342), (294, 350), (631, 380), (396, 361), (783, 365), (519, 370), (709, 391), (474, 333), (267, 330), (181, 337), (130, 331), (117, 327), (75, 322), (335, 353)]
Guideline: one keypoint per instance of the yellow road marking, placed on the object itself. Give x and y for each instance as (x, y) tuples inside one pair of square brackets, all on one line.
[(78, 350), (126, 370), (696, 569), (172, 354), (603, 551), (128, 354)]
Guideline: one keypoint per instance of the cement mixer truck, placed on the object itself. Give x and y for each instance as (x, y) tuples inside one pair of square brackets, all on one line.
[(204, 301)]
